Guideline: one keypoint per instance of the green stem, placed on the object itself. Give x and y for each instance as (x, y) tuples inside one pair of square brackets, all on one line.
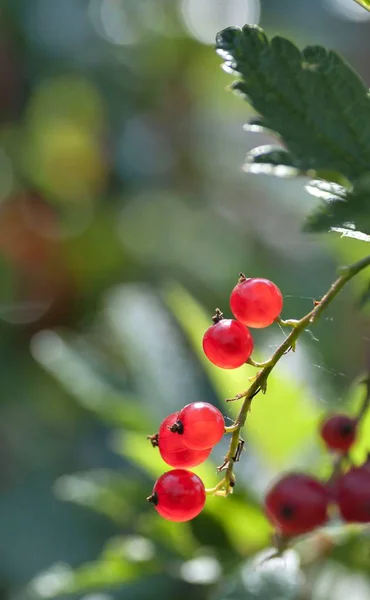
[(231, 428), (259, 365), (287, 323), (288, 344)]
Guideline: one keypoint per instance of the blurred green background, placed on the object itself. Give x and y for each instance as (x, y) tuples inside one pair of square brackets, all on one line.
[(125, 218)]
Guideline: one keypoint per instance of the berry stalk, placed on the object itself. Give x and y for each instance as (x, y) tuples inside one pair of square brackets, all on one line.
[(260, 382)]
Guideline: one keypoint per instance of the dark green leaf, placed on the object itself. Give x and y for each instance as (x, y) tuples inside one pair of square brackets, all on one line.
[(311, 99), (344, 211)]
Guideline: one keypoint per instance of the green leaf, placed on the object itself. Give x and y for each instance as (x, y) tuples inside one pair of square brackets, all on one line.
[(63, 357), (271, 160), (311, 99), (104, 491), (364, 3), (344, 211)]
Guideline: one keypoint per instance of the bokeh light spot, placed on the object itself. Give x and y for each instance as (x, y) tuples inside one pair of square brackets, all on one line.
[(203, 18)]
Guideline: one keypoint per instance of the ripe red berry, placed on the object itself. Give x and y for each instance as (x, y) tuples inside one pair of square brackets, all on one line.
[(256, 302), (172, 447), (227, 343), (297, 503), (178, 495), (353, 495), (200, 425), (339, 432)]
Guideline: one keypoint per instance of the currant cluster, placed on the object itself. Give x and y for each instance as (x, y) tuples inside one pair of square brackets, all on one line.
[(298, 503), (185, 439), (255, 303)]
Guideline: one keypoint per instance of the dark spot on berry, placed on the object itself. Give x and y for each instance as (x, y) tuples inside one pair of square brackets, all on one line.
[(287, 511), (346, 429)]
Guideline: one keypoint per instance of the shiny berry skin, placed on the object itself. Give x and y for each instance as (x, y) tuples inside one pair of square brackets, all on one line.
[(200, 425), (227, 344), (339, 432), (256, 302), (297, 503), (172, 447), (353, 495), (178, 495)]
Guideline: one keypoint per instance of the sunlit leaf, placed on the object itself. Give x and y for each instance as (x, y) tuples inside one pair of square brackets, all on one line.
[(364, 3), (67, 363), (355, 399), (139, 450)]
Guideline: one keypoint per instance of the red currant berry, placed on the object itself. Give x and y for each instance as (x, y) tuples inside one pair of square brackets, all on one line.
[(227, 343), (201, 425), (178, 495), (172, 447), (353, 495), (256, 302), (297, 503), (339, 432)]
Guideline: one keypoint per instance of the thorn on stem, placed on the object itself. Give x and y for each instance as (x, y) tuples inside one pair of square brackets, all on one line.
[(239, 450), (224, 465)]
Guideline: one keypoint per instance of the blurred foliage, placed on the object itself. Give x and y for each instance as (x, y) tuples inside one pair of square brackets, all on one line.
[(125, 219)]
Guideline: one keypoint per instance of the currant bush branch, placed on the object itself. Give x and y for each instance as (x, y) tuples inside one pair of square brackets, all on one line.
[(259, 383)]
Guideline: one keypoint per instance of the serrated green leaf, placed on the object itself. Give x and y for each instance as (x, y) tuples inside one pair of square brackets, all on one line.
[(326, 190), (270, 160), (312, 99), (346, 212)]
